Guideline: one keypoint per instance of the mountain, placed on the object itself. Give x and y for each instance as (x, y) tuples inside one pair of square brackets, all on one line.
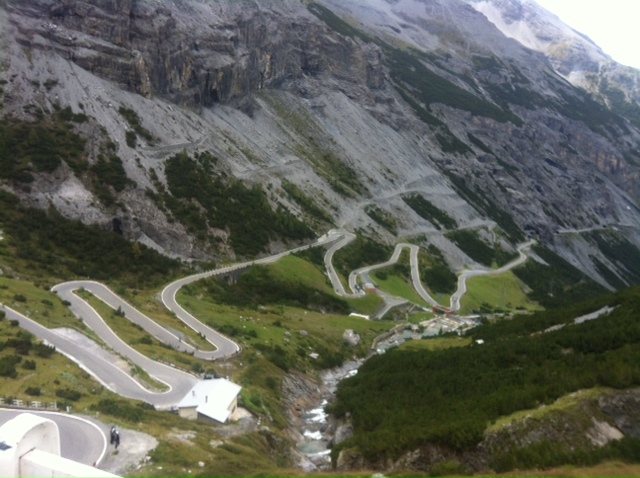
[(215, 130), (572, 54)]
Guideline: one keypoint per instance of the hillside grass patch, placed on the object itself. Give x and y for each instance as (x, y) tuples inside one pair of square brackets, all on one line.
[(396, 280), (439, 343), (501, 292), (562, 403)]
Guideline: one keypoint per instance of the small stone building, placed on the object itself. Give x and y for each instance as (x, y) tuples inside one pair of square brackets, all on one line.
[(214, 399)]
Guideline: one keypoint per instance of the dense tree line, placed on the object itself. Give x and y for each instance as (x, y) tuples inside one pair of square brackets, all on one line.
[(436, 272), (478, 250), (40, 146), (427, 210), (620, 251), (406, 398)]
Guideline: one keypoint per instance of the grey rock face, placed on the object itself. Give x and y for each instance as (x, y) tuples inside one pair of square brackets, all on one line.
[(273, 91), (198, 53)]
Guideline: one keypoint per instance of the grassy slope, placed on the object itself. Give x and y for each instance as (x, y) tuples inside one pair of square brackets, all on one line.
[(329, 327), (439, 343), (398, 286), (504, 291)]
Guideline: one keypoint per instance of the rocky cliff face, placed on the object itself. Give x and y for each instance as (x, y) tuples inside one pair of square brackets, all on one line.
[(324, 96), (195, 53)]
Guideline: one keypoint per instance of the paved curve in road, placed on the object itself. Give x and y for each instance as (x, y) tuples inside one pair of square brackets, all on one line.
[(81, 440), (462, 278), (105, 369)]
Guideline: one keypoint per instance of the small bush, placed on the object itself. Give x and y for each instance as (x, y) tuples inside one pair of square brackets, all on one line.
[(43, 350), (448, 468), (33, 391), (147, 340), (8, 366), (131, 138), (29, 365), (68, 394), (119, 408)]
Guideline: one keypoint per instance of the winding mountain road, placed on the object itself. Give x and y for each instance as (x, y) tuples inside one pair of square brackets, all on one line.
[(103, 365), (467, 273), (415, 271)]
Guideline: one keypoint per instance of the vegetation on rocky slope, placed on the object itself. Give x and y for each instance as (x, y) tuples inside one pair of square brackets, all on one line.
[(556, 283), (204, 198), (48, 244), (427, 210), (40, 146)]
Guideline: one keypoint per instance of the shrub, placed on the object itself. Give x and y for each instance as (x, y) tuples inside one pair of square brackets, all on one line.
[(119, 408), (131, 138), (69, 394), (33, 391), (29, 365), (21, 343), (111, 171), (8, 366), (447, 468), (43, 350)]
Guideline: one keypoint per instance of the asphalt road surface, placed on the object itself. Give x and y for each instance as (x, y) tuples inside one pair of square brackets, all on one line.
[(81, 440)]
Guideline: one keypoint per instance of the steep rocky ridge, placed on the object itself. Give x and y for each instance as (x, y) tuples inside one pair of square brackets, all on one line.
[(278, 94), (571, 53)]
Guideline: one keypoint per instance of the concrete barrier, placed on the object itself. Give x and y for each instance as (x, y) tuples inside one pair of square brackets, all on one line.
[(30, 446)]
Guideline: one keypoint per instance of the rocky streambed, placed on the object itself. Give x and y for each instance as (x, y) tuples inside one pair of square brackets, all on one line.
[(313, 430)]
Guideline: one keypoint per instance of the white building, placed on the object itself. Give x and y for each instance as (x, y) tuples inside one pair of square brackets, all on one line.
[(215, 399)]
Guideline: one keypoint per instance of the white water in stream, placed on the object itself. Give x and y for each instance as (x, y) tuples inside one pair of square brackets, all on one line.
[(315, 443)]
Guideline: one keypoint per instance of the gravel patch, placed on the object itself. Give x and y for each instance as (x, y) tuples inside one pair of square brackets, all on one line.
[(132, 453)]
